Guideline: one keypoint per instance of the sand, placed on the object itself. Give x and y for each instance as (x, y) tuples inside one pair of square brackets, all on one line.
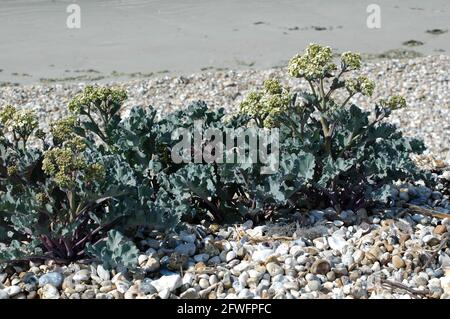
[(184, 36)]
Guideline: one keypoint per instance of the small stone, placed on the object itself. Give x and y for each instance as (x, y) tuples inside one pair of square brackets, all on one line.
[(49, 292), (241, 252), (213, 280), (142, 259), (296, 251), (320, 266), (358, 256), (262, 254), (374, 253), (190, 293), (188, 238), (359, 292), (12, 290), (403, 194), (331, 276), (68, 283), (177, 261), (245, 294), (230, 256), (247, 225), (348, 260), (3, 294), (152, 264), (338, 223), (171, 282), (187, 249), (164, 294), (274, 269), (337, 242), (103, 273), (361, 213), (376, 220), (203, 283), (320, 243), (314, 285), (430, 240), (188, 278), (440, 229), (421, 281), (446, 175), (32, 295), (146, 287), (122, 286), (88, 294), (398, 262), (82, 275), (354, 275), (53, 278), (201, 258), (214, 261)]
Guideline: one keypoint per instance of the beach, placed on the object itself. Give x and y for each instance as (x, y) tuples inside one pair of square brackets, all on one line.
[(135, 38)]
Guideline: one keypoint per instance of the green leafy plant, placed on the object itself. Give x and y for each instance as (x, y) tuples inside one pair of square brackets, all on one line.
[(353, 159), (115, 251), (73, 192)]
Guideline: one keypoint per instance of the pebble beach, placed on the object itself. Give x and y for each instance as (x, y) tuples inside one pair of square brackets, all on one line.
[(424, 82), (398, 252)]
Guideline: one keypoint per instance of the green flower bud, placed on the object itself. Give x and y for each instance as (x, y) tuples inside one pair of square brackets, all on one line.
[(42, 198), (11, 170), (361, 84), (315, 63), (62, 130), (395, 102), (268, 104), (21, 122), (351, 61), (98, 97), (95, 172), (63, 164), (7, 113), (273, 87)]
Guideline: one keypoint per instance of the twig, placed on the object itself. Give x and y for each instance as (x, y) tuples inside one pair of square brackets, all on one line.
[(263, 239), (427, 211), (441, 246), (398, 285)]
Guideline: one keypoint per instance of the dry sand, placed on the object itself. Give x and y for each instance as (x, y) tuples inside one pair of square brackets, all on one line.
[(184, 36)]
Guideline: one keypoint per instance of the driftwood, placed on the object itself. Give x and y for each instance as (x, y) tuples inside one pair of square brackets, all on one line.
[(427, 211), (413, 292)]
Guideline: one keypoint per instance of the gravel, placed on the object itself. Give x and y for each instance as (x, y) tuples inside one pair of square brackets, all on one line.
[(389, 253), (424, 82)]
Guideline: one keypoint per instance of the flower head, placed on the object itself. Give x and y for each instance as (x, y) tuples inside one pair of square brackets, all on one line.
[(11, 170), (62, 130), (42, 198), (21, 122), (316, 62), (7, 113), (395, 102), (67, 162), (267, 104), (97, 97), (361, 84), (351, 61)]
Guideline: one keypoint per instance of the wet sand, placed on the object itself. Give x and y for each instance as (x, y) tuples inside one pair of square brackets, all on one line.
[(134, 38)]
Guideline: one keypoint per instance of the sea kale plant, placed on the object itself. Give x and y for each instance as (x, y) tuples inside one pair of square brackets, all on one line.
[(333, 153), (80, 188)]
